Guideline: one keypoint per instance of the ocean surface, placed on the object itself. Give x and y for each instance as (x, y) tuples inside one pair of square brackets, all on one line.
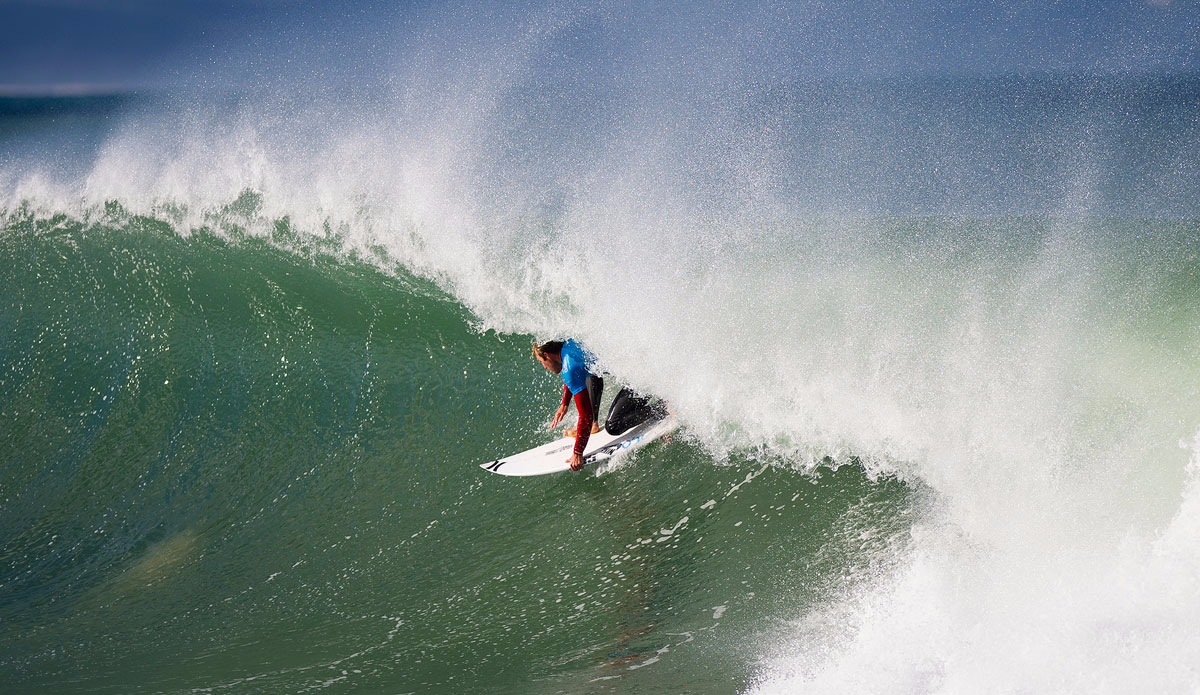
[(935, 345)]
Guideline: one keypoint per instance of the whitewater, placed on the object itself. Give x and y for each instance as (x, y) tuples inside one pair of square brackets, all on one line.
[(932, 341)]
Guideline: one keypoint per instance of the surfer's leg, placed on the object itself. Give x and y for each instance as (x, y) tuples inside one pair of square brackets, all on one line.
[(622, 413), (629, 409), (610, 421), (595, 387)]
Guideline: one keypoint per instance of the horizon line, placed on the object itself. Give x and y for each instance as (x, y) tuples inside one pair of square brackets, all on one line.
[(69, 89)]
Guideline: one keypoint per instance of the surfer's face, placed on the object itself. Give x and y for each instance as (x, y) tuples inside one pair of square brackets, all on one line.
[(551, 362)]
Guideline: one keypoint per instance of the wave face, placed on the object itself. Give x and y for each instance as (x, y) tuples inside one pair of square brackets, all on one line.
[(933, 340), (231, 467)]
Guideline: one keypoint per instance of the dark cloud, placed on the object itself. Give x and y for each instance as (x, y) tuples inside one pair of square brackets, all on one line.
[(76, 46)]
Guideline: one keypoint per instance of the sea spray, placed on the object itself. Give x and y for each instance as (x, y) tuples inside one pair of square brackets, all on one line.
[(962, 310)]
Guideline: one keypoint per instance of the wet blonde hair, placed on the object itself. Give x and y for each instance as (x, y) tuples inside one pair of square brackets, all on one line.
[(550, 347)]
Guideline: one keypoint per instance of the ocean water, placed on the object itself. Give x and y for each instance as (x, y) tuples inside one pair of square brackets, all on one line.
[(934, 344)]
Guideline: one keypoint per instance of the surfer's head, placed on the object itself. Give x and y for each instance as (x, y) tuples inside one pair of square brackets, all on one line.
[(549, 354)]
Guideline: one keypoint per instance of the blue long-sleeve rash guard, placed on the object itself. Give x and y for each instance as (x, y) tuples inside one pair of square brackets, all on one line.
[(575, 366)]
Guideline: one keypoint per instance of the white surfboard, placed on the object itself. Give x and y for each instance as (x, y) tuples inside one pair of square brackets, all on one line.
[(552, 457)]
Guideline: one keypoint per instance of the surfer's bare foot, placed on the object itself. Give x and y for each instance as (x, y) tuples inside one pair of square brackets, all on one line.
[(570, 431)]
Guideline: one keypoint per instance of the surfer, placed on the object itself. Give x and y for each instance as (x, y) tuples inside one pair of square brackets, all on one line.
[(569, 360)]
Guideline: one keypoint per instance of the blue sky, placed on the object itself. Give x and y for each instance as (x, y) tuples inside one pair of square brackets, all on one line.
[(96, 46)]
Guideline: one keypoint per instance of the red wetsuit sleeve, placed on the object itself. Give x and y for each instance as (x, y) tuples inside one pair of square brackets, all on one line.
[(583, 404), (566, 395)]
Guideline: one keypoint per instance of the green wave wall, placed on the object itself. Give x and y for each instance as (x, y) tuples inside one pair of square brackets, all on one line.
[(229, 467)]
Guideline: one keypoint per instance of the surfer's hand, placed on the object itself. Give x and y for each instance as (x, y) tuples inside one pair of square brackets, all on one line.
[(576, 462), (558, 416)]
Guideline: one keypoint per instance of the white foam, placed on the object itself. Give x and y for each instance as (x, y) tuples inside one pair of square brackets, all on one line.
[(1048, 616)]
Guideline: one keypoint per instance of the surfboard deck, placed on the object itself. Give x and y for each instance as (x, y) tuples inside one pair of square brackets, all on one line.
[(551, 457)]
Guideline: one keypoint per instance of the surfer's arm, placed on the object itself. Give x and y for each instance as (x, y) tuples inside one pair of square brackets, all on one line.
[(583, 404), (562, 409)]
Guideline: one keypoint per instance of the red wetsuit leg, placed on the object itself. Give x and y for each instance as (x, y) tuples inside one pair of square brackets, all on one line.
[(583, 405)]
